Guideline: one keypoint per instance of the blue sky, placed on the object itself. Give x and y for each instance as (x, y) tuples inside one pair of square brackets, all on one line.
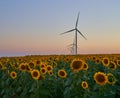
[(34, 26)]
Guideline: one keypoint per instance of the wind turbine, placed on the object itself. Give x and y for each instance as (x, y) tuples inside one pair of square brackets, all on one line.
[(76, 30), (72, 47)]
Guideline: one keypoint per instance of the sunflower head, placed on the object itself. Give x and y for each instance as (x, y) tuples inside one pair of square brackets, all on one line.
[(49, 68), (50, 73), (111, 78), (32, 64), (62, 73), (106, 61), (37, 62), (112, 66), (43, 70), (42, 65), (13, 74), (84, 85), (35, 74), (67, 59), (100, 78), (85, 66), (98, 61), (22, 66), (77, 65), (94, 58)]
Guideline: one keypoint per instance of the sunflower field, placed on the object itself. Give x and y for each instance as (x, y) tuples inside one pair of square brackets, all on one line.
[(60, 76)]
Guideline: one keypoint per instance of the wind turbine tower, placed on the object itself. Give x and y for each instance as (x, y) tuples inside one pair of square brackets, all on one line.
[(76, 31)]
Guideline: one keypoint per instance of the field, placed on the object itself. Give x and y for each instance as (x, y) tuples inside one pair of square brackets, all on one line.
[(60, 76)]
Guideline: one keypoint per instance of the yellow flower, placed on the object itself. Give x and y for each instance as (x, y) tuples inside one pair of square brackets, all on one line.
[(32, 64), (84, 85), (77, 65), (42, 65), (49, 68), (111, 78), (50, 73), (35, 74), (13, 74), (106, 61), (98, 60), (43, 70), (22, 66), (85, 66), (112, 66), (100, 78), (62, 73)]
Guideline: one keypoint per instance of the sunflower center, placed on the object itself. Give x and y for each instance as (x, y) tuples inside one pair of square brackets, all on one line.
[(23, 67), (100, 78), (38, 62), (13, 74), (77, 64), (48, 68), (62, 73), (42, 66), (43, 70), (35, 74), (105, 61), (97, 61), (84, 85)]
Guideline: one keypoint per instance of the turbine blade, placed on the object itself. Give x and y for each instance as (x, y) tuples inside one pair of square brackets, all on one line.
[(77, 20), (67, 31), (71, 44), (81, 34)]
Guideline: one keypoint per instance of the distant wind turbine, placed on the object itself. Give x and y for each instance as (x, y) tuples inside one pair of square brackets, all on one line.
[(72, 47), (76, 30)]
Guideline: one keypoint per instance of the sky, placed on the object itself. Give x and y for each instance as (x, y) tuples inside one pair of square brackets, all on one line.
[(33, 27)]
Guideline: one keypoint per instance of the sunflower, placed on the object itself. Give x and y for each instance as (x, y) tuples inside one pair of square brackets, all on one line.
[(111, 78), (50, 73), (98, 61), (28, 68), (77, 65), (22, 66), (85, 66), (100, 78), (94, 58), (112, 66), (67, 59), (32, 64), (62, 73), (37, 62), (84, 85), (13, 74), (106, 61), (42, 65), (43, 70), (35, 74), (118, 62), (49, 68)]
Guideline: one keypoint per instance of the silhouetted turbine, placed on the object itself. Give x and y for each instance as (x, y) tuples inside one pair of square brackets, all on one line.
[(76, 30)]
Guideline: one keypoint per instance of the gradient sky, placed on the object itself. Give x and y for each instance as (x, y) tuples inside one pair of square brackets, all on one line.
[(34, 26)]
